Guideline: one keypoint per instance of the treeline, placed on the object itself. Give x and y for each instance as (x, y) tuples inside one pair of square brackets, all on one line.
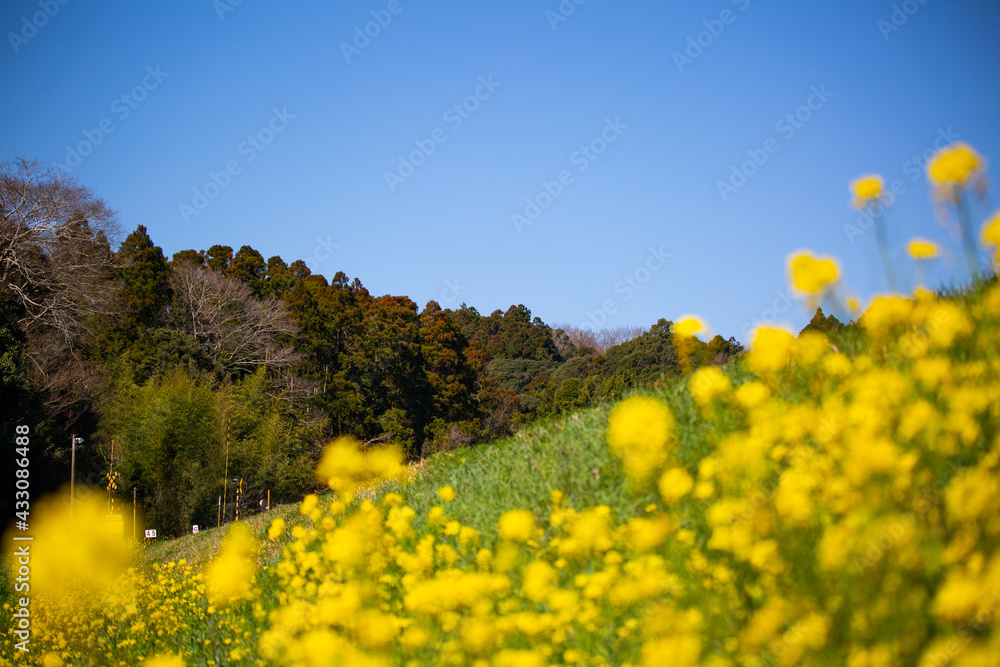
[(181, 373)]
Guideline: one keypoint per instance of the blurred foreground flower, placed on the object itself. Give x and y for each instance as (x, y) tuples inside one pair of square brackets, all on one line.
[(230, 576), (952, 171), (684, 331), (812, 275), (991, 234), (165, 660), (345, 467), (770, 350), (954, 167), (517, 525), (74, 556), (689, 325), (641, 434), (866, 189), (922, 249), (276, 529)]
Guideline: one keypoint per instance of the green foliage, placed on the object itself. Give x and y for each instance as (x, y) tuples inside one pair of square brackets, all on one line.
[(828, 324), (640, 361), (248, 267), (145, 278), (169, 445)]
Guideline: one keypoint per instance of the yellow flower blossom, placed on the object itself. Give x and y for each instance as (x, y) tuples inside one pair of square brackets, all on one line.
[(707, 383), (770, 350), (446, 493), (922, 249), (230, 575), (688, 325), (164, 660), (517, 525), (866, 189), (811, 275), (991, 234), (674, 484), (956, 165), (276, 529), (640, 434)]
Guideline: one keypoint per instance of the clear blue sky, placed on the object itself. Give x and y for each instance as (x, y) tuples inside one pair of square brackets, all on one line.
[(329, 122)]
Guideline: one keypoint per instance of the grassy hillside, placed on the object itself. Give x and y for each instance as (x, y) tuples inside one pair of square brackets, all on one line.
[(823, 501)]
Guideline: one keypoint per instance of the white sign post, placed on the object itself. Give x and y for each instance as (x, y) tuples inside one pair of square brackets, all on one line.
[(150, 534), (194, 530)]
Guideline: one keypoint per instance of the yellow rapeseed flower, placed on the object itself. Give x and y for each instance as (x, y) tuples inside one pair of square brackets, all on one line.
[(674, 485), (866, 189), (770, 350), (991, 233), (344, 467), (922, 249), (640, 434), (446, 493), (956, 165), (276, 529), (688, 325), (886, 312), (706, 384), (517, 525), (811, 275), (164, 660), (229, 577)]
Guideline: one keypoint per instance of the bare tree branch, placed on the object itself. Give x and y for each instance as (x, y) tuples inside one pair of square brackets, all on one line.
[(241, 332)]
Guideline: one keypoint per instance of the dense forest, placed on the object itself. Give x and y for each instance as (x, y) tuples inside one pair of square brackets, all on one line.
[(218, 365)]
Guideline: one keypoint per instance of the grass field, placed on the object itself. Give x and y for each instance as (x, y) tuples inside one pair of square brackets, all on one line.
[(821, 502)]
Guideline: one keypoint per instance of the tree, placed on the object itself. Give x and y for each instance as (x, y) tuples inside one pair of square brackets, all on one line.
[(828, 325), (218, 257), (55, 256), (279, 279), (193, 256), (248, 267), (238, 331), (171, 448), (145, 277), (447, 372)]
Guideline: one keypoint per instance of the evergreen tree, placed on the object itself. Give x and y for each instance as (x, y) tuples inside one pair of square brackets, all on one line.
[(145, 279), (248, 266)]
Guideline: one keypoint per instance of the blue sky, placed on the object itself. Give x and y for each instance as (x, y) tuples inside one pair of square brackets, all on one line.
[(618, 101)]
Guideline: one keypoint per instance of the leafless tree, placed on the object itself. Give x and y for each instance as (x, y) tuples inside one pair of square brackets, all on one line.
[(55, 255), (241, 332), (600, 340), (55, 275)]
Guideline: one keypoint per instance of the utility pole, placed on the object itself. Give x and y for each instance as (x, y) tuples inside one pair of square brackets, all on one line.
[(72, 470), (225, 479)]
